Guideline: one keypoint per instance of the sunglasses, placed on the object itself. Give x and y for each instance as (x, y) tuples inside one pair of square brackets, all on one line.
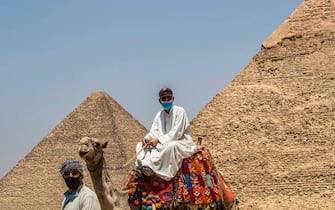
[(166, 98), (73, 173)]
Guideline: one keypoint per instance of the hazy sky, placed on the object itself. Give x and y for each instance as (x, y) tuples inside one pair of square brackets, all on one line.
[(54, 54)]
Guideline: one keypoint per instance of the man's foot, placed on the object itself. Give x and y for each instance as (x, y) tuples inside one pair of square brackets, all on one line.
[(138, 171), (144, 170), (147, 171)]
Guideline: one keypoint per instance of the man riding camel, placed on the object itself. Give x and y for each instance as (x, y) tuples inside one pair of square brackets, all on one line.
[(169, 141)]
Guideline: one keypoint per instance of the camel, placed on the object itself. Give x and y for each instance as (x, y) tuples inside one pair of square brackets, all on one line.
[(110, 198)]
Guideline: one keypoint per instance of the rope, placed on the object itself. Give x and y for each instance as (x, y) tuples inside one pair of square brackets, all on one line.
[(134, 157)]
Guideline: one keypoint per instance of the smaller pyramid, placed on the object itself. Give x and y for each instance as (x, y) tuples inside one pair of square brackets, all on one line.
[(35, 182)]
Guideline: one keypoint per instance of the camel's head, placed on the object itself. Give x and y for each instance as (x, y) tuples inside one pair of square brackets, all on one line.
[(91, 150)]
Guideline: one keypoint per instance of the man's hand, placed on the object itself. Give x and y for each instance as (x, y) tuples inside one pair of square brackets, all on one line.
[(145, 141), (151, 142)]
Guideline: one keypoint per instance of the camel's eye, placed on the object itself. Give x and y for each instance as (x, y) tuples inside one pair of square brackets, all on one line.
[(96, 146), (84, 144)]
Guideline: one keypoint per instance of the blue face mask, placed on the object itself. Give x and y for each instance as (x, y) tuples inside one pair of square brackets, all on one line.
[(167, 104)]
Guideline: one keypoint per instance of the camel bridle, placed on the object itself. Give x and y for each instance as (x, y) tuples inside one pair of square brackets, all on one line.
[(95, 147)]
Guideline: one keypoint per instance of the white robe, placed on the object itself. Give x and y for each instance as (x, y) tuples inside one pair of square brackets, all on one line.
[(176, 143)]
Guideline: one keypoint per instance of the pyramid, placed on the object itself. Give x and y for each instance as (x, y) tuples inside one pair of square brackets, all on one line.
[(272, 129), (35, 182)]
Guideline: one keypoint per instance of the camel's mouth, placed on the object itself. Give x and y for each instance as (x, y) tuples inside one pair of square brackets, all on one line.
[(88, 158), (85, 154), (82, 153)]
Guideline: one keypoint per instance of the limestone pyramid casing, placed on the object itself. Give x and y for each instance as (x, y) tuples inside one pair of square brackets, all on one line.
[(272, 130), (35, 183)]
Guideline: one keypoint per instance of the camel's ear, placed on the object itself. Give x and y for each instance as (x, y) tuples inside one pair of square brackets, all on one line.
[(104, 145)]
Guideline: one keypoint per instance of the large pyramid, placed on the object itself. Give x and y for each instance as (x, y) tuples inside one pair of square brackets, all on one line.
[(35, 183), (272, 130)]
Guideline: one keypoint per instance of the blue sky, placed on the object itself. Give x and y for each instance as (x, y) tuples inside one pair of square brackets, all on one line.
[(54, 54)]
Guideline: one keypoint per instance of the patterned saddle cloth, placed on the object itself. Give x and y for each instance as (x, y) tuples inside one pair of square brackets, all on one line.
[(197, 182)]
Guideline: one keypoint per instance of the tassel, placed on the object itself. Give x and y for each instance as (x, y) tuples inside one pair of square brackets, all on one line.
[(209, 181), (185, 167), (188, 182), (201, 180), (206, 167), (197, 166), (186, 172)]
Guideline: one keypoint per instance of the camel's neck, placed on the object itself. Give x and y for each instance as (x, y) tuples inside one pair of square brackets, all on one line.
[(102, 185)]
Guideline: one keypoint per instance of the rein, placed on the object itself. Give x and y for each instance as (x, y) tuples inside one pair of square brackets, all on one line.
[(102, 161), (134, 157)]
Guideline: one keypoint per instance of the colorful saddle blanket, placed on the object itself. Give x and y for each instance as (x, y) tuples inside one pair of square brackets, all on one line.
[(198, 182)]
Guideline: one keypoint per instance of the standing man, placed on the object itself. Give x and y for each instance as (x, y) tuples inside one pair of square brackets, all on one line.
[(78, 196), (168, 142)]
